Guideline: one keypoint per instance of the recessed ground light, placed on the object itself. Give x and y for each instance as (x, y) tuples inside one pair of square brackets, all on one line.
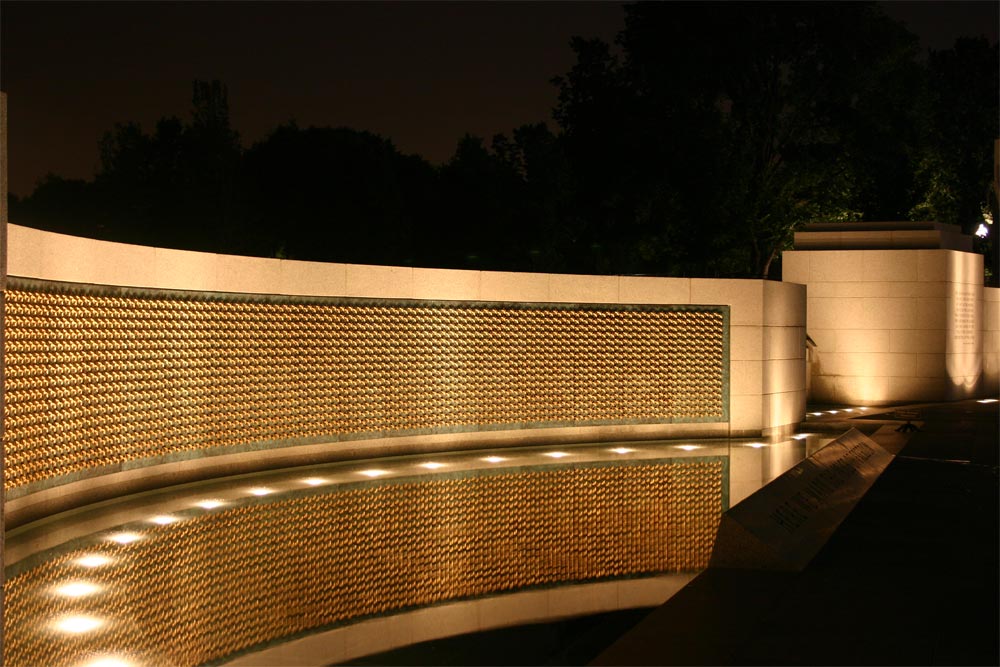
[(209, 503), (832, 412), (848, 409), (164, 519), (92, 560), (260, 491), (556, 455), (76, 589), (108, 661), (432, 465), (124, 538), (621, 450), (315, 481), (493, 459), (77, 624), (373, 472)]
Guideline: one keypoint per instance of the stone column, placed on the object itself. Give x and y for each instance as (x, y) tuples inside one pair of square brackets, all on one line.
[(3, 336)]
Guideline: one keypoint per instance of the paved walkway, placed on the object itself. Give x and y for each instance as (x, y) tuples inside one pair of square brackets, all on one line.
[(909, 578)]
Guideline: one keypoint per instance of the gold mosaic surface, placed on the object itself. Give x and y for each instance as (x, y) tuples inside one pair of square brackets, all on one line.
[(93, 381), (216, 583)]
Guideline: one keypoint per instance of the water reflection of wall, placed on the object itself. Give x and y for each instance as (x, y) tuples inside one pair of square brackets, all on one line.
[(754, 464), (207, 581)]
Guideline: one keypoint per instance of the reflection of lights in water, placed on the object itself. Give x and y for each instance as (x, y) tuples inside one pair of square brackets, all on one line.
[(124, 538), (210, 503), (92, 560), (77, 589), (688, 448), (621, 450), (108, 661), (77, 624), (164, 520), (432, 465), (493, 459), (260, 491), (556, 455), (373, 472), (314, 481), (987, 400)]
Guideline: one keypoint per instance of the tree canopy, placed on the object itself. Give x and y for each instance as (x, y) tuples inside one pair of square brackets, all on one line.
[(695, 146)]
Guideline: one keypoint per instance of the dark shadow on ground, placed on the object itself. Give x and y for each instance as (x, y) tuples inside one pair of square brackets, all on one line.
[(573, 641)]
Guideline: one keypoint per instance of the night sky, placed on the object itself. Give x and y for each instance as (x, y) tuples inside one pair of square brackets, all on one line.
[(419, 73)]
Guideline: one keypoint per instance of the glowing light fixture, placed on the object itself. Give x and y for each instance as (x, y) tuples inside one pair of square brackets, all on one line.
[(373, 472), (315, 481), (77, 624), (982, 231), (164, 519), (987, 400), (260, 491), (816, 414), (848, 409), (621, 450), (800, 436), (493, 459), (832, 412), (209, 503), (432, 465), (124, 538), (77, 589), (756, 445), (689, 448), (556, 455), (92, 560), (108, 661)]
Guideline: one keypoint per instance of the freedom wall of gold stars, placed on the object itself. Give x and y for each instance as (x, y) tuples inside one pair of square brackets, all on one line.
[(100, 377)]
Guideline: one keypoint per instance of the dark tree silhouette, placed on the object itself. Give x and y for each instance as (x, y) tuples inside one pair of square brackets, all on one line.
[(726, 126), (330, 194), (696, 149)]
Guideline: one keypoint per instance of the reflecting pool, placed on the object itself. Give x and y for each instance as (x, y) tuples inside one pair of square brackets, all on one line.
[(220, 570)]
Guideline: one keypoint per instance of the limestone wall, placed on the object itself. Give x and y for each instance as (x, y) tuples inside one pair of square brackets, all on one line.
[(893, 326), (991, 341), (167, 361)]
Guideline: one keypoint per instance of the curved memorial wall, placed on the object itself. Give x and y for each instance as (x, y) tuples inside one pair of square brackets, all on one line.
[(132, 367), (103, 377)]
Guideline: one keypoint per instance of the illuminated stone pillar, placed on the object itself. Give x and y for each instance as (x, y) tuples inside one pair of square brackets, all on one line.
[(3, 289), (895, 310)]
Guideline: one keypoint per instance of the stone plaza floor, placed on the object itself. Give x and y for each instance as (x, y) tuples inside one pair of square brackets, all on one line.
[(910, 577)]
